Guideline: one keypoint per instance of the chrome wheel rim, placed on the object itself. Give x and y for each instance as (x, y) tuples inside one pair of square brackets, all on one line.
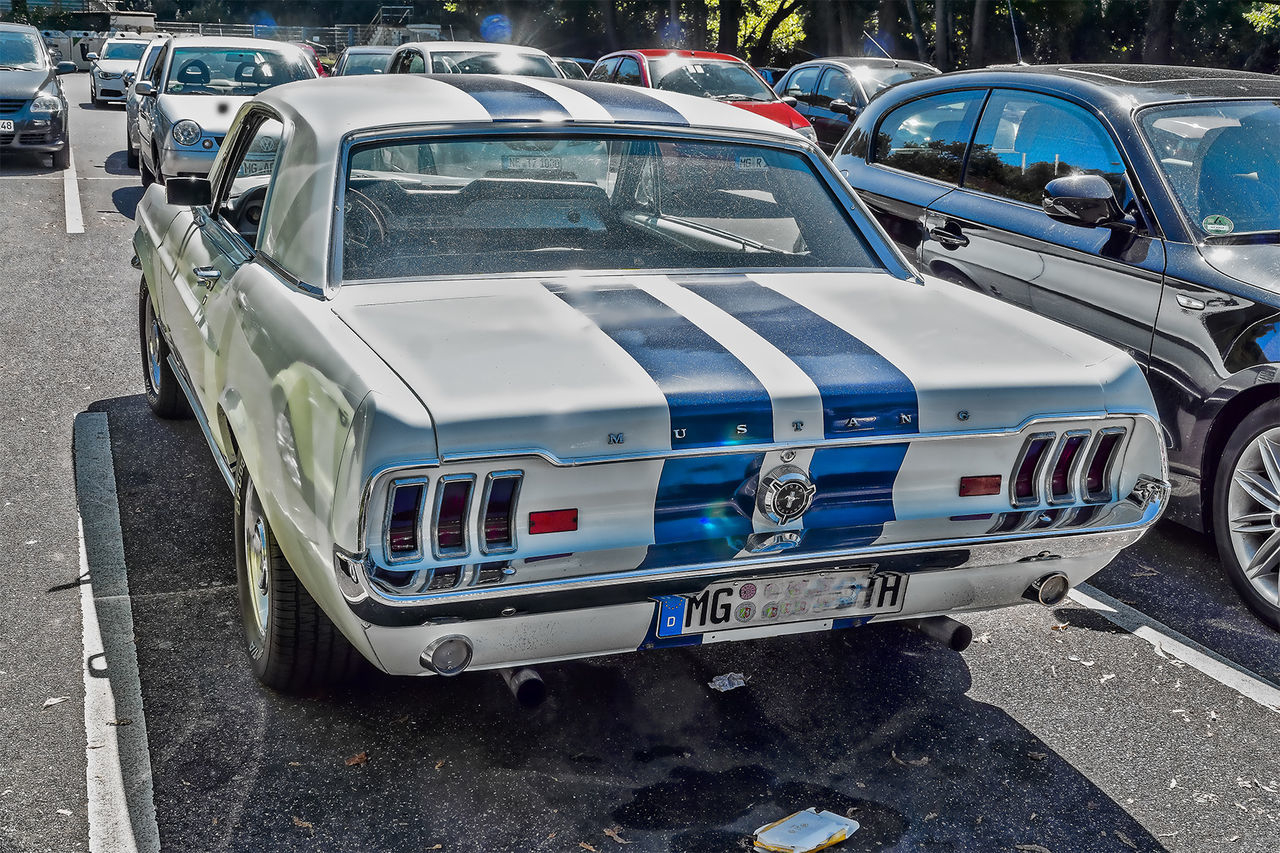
[(257, 563), (1253, 513), (153, 349)]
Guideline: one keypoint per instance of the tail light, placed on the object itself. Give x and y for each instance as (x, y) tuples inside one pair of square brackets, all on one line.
[(404, 513), (1027, 470), (1063, 477), (498, 512), (1097, 481), (452, 511)]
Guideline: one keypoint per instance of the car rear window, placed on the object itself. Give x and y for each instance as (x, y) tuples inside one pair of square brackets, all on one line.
[(514, 204)]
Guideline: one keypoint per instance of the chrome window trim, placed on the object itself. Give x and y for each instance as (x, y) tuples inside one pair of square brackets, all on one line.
[(391, 557), (1075, 488), (464, 549), (510, 474)]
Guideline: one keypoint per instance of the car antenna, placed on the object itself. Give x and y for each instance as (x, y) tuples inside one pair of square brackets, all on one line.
[(1017, 45), (882, 50)]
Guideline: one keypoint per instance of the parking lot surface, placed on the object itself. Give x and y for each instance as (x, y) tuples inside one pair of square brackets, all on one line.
[(1143, 715)]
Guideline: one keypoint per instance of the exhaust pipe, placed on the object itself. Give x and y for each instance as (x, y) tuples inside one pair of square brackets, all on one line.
[(1050, 590), (955, 635), (526, 685)]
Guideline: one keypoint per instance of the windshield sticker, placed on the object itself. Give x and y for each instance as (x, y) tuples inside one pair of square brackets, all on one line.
[(752, 164), (1217, 224)]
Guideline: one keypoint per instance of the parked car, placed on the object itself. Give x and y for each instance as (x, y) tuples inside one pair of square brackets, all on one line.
[(195, 87), (118, 55), (614, 370), (137, 109), (314, 55), (33, 109), (830, 91), (1139, 204), (463, 57), (718, 76), (574, 69), (363, 59)]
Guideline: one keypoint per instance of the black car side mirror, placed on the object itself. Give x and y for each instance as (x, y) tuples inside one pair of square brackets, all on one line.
[(188, 192), (1086, 200), (840, 105), (64, 68), (144, 89)]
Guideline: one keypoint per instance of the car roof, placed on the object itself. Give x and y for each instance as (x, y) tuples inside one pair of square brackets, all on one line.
[(658, 53), (371, 48), (230, 41), (487, 47), (1128, 86), (17, 28), (871, 62)]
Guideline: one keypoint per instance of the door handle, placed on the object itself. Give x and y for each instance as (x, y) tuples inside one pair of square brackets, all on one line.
[(207, 276), (949, 239)]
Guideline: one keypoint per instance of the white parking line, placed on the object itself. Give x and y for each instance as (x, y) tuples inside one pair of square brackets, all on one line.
[(1169, 642), (122, 815), (71, 196)]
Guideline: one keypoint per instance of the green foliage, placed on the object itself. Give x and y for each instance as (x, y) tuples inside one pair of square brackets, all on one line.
[(1264, 17)]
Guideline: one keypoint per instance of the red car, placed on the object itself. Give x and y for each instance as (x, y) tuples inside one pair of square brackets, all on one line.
[(315, 57), (698, 72)]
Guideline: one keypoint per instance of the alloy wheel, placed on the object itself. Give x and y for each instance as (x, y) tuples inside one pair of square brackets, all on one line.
[(257, 562), (1253, 511)]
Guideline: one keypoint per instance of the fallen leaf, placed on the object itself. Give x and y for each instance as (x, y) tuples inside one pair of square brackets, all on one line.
[(55, 700), (65, 812), (1106, 678), (1124, 839), (122, 721), (931, 816), (613, 831), (984, 637), (301, 824), (295, 763), (585, 846), (1032, 848), (358, 758), (436, 847), (913, 762), (1173, 783), (1037, 756), (439, 764), (1062, 627)]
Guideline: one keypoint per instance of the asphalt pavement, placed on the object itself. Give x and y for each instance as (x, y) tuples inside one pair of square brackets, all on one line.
[(1057, 730)]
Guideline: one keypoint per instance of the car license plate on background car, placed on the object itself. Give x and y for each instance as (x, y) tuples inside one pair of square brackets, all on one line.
[(6, 126), (531, 164), (249, 168), (774, 601)]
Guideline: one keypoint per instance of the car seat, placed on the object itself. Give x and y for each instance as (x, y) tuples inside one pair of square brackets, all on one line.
[(1240, 178)]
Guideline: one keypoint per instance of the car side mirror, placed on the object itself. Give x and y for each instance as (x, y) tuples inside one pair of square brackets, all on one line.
[(839, 105), (144, 89), (64, 68), (91, 56), (1086, 200), (789, 100), (189, 192), (128, 78)]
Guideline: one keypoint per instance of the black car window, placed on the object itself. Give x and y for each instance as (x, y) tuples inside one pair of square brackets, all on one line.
[(835, 86), (157, 69), (628, 72), (928, 136), (801, 84), (604, 68), (1026, 140)]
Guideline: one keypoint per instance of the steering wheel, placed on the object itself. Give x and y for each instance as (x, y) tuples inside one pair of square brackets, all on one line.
[(194, 72), (363, 225), (245, 212)]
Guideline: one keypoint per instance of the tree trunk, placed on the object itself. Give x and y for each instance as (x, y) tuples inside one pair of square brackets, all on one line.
[(942, 36), (1157, 47), (978, 41), (730, 22), (610, 20), (697, 29), (760, 52), (917, 32)]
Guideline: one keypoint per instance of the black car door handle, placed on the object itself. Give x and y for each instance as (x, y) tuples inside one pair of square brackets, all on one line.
[(949, 239)]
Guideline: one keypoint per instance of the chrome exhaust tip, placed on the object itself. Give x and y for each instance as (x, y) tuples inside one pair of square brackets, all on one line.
[(954, 635), (526, 685), (448, 655), (1050, 590)]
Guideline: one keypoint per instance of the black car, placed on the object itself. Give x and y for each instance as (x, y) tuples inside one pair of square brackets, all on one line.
[(830, 91), (33, 110), (1138, 203), (363, 59)]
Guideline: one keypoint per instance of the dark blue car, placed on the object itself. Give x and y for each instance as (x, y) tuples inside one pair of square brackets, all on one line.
[(1138, 203)]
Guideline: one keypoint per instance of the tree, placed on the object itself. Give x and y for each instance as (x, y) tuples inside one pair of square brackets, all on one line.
[(1157, 47)]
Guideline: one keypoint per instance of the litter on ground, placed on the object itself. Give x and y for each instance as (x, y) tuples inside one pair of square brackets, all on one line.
[(804, 832), (728, 681)]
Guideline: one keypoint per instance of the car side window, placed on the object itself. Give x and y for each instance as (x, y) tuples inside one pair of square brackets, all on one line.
[(927, 137), (416, 63), (628, 72), (603, 69), (149, 64), (1026, 140), (157, 67), (242, 191), (835, 86), (801, 84)]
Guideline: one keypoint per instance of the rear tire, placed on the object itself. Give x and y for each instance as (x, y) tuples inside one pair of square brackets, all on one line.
[(148, 176), (62, 159), (164, 396), (1246, 511), (293, 647), (130, 153)]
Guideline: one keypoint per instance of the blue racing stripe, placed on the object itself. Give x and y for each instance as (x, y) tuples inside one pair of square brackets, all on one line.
[(629, 104), (507, 100), (854, 496), (863, 393), (714, 399)]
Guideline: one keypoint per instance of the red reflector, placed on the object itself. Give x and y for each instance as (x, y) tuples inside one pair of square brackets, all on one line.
[(553, 521), (974, 486)]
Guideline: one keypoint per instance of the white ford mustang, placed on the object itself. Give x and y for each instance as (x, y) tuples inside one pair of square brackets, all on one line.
[(508, 370)]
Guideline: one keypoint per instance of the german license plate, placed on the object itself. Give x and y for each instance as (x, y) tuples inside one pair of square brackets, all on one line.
[(6, 126), (249, 168), (774, 601), (531, 164)]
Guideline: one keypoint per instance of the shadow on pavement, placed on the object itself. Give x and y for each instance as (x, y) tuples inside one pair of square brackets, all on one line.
[(126, 199), (26, 164), (874, 723), (118, 164)]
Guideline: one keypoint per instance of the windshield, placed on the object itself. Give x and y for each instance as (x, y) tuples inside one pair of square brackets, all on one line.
[(232, 71), (124, 50), (1222, 161), (20, 50), (875, 79), (515, 204), (721, 79), (481, 62), (365, 63)]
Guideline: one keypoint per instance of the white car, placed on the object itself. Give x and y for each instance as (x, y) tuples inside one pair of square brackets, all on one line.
[(136, 108), (465, 57), (505, 371), (119, 55)]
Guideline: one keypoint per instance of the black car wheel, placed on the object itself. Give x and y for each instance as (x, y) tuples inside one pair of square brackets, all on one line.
[(62, 159), (130, 153), (148, 176), (162, 391), (1246, 512), (292, 645)]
